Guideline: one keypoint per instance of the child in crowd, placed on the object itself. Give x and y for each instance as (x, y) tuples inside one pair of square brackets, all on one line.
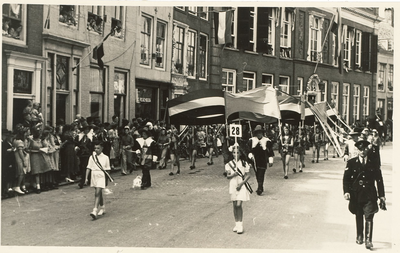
[(98, 164), (238, 171)]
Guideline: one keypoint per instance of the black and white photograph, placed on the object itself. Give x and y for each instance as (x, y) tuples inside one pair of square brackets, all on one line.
[(144, 126)]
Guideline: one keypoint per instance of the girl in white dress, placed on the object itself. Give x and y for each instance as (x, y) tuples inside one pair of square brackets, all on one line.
[(98, 164), (238, 171)]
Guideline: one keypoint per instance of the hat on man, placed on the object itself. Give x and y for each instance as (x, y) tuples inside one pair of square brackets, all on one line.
[(354, 133), (374, 130), (85, 125), (361, 145), (365, 131), (257, 129), (127, 127)]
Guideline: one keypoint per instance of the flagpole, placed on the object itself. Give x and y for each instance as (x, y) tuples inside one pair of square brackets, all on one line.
[(90, 51), (323, 43)]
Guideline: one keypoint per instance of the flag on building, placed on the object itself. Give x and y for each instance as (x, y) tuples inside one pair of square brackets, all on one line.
[(223, 24), (98, 53), (259, 104), (339, 40), (200, 107)]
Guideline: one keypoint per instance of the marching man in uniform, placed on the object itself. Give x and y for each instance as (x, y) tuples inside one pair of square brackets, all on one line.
[(359, 179), (262, 154)]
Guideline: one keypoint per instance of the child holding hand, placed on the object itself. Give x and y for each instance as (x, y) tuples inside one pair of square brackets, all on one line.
[(238, 172)]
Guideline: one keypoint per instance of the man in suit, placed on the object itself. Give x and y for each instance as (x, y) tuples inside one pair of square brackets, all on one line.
[(84, 149), (359, 179), (262, 155)]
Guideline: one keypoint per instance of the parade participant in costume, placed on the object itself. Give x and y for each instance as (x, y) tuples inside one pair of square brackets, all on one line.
[(325, 145), (350, 150), (127, 143), (148, 157), (211, 140), (173, 150), (299, 150), (68, 158), (359, 188), (262, 155), (286, 149), (84, 149), (238, 171), (163, 142), (98, 165), (316, 140)]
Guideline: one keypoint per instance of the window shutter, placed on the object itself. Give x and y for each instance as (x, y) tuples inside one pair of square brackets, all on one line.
[(243, 28), (262, 29), (365, 51), (374, 53)]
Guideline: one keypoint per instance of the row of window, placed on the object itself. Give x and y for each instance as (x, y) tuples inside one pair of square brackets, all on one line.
[(254, 29), (230, 84), (14, 19)]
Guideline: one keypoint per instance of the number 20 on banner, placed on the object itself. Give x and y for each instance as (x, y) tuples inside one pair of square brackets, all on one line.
[(235, 130)]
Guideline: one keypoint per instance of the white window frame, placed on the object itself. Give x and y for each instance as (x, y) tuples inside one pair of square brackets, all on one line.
[(284, 87), (205, 10), (248, 79), (358, 48), (231, 87), (345, 102), (382, 76), (22, 40), (356, 102), (194, 47), (300, 83), (206, 56), (271, 84), (76, 16), (119, 14), (285, 23), (150, 40), (347, 49), (185, 29), (192, 10), (253, 40), (271, 32), (366, 101), (317, 32), (234, 28), (163, 50), (98, 11), (335, 94), (334, 56)]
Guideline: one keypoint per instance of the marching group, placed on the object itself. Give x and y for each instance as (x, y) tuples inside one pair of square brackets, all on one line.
[(42, 156)]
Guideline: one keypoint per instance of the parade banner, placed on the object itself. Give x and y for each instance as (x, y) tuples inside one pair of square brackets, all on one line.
[(259, 104), (200, 107)]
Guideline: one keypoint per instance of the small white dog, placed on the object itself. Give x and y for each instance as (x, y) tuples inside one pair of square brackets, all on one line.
[(137, 182)]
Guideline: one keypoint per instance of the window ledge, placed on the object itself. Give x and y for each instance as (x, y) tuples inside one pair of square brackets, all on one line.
[(250, 52), (286, 58), (191, 77), (145, 66), (232, 49), (269, 55), (15, 42), (202, 79), (69, 26)]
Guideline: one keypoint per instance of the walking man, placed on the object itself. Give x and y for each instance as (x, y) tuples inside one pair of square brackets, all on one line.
[(359, 179), (262, 155)]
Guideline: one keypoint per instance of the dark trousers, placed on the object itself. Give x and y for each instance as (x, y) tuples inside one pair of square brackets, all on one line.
[(146, 178), (260, 175), (83, 162)]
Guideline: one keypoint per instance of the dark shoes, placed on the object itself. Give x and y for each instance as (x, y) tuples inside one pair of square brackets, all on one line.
[(259, 192), (312, 161), (210, 163), (360, 239), (171, 174), (192, 167), (285, 177), (294, 170)]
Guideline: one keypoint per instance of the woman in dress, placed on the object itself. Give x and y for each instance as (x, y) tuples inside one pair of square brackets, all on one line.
[(48, 141), (37, 153), (286, 149), (22, 160), (69, 160), (211, 140), (115, 150)]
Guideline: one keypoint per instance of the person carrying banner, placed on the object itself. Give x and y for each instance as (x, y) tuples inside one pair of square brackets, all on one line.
[(262, 155), (359, 179), (238, 172), (98, 165)]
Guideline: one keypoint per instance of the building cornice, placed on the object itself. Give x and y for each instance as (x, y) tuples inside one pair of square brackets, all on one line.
[(16, 54), (65, 40)]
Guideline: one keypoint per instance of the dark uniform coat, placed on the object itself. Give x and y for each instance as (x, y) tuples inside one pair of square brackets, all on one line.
[(359, 180), (261, 150)]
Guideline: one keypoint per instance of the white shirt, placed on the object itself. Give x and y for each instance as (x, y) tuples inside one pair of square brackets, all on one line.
[(103, 160)]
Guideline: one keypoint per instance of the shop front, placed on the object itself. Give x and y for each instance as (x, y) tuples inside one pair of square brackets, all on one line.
[(151, 99)]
